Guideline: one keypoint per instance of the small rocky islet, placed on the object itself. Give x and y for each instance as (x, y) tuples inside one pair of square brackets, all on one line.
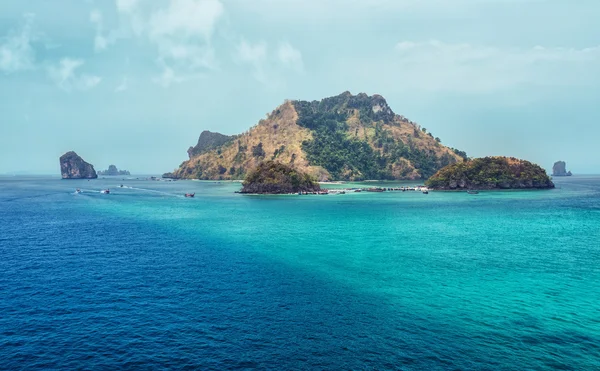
[(560, 169), (271, 177), (491, 173), (72, 166)]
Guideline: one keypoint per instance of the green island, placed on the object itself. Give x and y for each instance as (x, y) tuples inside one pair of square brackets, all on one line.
[(490, 173), (272, 177)]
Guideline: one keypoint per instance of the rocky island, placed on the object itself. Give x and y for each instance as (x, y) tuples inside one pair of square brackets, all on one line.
[(344, 137), (74, 167), (271, 177), (112, 170), (560, 169), (490, 173)]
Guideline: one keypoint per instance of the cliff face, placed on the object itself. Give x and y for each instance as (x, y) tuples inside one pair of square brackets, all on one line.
[(560, 169), (73, 167), (490, 173), (207, 141), (346, 137)]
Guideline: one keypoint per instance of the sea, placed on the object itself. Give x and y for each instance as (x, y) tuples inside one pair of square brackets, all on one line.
[(144, 278)]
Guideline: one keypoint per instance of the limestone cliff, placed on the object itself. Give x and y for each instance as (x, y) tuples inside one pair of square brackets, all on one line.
[(74, 167), (207, 141), (560, 169), (490, 173), (345, 137)]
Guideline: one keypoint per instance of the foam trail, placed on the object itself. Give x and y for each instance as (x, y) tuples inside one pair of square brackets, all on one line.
[(88, 191), (151, 190)]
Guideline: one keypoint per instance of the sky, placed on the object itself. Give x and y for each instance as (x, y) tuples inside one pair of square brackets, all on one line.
[(134, 82)]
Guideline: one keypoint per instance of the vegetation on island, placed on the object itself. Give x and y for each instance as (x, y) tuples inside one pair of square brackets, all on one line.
[(350, 157), (490, 173), (345, 137), (271, 177)]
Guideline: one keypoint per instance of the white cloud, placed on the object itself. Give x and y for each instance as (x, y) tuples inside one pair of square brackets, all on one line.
[(290, 57), (182, 33), (126, 6), (462, 67), (66, 77), (168, 77), (16, 52), (191, 19), (269, 68), (255, 55), (100, 41), (123, 85)]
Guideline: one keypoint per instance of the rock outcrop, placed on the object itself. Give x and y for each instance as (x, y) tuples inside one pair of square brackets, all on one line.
[(490, 173), (560, 169), (112, 170), (345, 137), (271, 177), (207, 141), (74, 167)]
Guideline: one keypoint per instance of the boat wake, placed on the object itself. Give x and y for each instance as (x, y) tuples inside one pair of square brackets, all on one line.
[(151, 190)]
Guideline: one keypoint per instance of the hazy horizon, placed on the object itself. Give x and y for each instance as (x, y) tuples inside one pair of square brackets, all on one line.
[(134, 83)]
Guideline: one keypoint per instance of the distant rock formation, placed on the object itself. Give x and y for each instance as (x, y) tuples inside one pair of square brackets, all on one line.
[(490, 173), (73, 167), (271, 177), (112, 170), (207, 141), (560, 169)]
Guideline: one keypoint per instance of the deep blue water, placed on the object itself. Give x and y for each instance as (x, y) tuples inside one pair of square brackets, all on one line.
[(144, 278)]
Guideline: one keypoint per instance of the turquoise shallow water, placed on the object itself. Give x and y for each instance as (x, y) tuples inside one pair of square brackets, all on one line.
[(145, 278)]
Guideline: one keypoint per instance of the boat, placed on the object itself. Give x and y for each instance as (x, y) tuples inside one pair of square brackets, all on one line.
[(105, 191), (190, 194), (425, 192), (472, 192)]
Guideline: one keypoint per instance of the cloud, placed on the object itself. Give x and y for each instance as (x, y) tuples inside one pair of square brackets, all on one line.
[(461, 67), (255, 55), (100, 41), (269, 68), (16, 52), (182, 33), (123, 85), (290, 57), (66, 77), (126, 6)]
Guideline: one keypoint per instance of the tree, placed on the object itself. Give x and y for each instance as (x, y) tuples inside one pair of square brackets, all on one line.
[(258, 151)]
